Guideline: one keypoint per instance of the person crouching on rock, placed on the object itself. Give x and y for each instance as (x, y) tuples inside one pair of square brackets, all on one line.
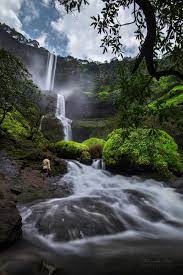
[(46, 168)]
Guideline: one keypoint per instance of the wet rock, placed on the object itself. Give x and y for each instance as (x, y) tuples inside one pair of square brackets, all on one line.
[(26, 180), (145, 205), (75, 218), (177, 183), (10, 220), (52, 128)]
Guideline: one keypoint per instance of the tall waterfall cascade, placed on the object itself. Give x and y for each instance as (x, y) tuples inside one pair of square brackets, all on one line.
[(60, 114), (60, 109), (50, 72)]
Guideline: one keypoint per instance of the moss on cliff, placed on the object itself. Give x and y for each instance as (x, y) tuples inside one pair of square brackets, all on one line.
[(87, 128)]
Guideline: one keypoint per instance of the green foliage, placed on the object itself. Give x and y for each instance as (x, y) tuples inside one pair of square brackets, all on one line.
[(93, 127), (95, 147), (94, 141), (103, 96), (164, 84), (85, 157), (148, 17), (173, 98), (15, 126), (12, 78), (70, 149), (90, 123), (134, 95), (18, 92), (145, 148), (52, 128), (34, 116)]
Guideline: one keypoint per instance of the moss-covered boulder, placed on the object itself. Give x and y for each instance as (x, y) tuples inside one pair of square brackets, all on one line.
[(52, 128), (95, 147), (142, 149), (70, 149)]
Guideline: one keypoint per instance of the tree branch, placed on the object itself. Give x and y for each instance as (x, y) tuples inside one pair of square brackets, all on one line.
[(147, 49)]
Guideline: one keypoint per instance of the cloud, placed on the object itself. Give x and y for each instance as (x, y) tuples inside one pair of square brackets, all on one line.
[(31, 12), (9, 11), (42, 39), (46, 2), (84, 41)]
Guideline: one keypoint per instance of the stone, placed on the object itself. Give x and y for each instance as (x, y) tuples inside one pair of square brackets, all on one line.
[(10, 221)]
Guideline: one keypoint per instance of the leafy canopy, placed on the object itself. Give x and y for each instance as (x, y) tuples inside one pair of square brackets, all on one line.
[(13, 75), (18, 92), (161, 20)]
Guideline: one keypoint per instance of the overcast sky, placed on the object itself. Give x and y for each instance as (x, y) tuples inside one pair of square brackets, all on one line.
[(64, 34)]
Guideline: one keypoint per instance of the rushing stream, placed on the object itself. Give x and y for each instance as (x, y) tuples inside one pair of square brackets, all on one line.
[(103, 208)]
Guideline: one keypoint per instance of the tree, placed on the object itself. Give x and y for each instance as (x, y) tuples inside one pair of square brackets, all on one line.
[(30, 107), (13, 75), (162, 21), (134, 94), (34, 116)]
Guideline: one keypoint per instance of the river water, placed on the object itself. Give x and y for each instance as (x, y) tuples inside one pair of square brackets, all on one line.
[(104, 208)]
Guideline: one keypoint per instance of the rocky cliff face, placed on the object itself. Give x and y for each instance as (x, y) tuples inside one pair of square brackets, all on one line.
[(78, 80)]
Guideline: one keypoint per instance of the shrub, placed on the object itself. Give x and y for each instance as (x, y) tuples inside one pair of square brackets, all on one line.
[(95, 146), (142, 149), (70, 149)]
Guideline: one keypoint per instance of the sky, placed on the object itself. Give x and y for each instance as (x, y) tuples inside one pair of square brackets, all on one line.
[(61, 33)]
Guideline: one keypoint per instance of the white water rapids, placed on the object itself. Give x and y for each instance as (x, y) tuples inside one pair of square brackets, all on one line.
[(104, 207)]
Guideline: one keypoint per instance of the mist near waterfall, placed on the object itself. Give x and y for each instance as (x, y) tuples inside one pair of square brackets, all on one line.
[(49, 75), (40, 67)]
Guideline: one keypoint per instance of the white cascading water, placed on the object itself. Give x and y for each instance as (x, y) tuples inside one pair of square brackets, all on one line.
[(60, 109), (50, 72), (103, 208), (98, 164), (60, 114)]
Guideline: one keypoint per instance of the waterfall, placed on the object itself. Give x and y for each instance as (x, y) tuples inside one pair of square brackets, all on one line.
[(60, 109), (98, 164), (60, 114), (41, 121), (50, 72)]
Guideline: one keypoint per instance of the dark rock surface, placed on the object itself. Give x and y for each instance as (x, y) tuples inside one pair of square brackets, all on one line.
[(52, 128), (75, 219), (10, 220), (25, 178), (23, 182), (110, 258)]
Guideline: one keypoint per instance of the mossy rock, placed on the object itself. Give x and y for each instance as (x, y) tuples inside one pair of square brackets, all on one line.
[(70, 149), (95, 146), (86, 158), (52, 128), (142, 149)]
